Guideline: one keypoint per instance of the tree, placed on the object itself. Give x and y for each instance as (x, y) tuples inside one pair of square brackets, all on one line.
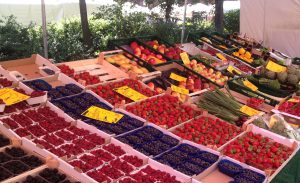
[(219, 16), (87, 39)]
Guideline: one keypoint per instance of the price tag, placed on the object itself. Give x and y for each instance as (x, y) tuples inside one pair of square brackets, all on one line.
[(10, 96), (249, 111), (250, 85), (272, 66), (179, 90), (177, 77), (185, 58), (100, 114), (230, 68), (130, 93), (294, 100)]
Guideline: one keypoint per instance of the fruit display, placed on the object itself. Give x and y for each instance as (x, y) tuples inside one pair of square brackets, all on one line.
[(107, 163), (192, 82), (208, 131), (226, 60), (15, 161), (214, 63), (48, 175), (243, 55), (158, 121), (255, 103), (4, 141), (149, 140), (157, 84), (125, 124), (84, 78), (223, 106), (209, 73), (149, 174), (258, 151), (127, 65), (238, 173), (4, 82), (214, 43), (74, 106), (107, 92), (54, 93), (166, 111), (188, 159), (172, 52), (291, 106), (146, 54), (66, 70), (17, 106)]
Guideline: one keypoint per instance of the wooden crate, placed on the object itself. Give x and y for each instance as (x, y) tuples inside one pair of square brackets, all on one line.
[(97, 67), (28, 68)]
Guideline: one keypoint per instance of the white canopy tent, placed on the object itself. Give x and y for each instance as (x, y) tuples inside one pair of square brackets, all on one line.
[(274, 22)]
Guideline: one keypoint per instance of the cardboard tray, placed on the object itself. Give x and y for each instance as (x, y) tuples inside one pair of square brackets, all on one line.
[(28, 68), (216, 176)]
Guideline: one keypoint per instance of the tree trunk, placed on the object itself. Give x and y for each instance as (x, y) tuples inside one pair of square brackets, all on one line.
[(219, 16), (168, 10), (85, 24)]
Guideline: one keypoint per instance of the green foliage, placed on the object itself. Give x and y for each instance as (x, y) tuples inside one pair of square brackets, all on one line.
[(232, 21), (18, 41), (65, 38)]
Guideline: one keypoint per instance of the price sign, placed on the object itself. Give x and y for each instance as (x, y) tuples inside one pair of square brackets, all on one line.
[(249, 111), (177, 77), (272, 66), (179, 90), (230, 68), (185, 58), (294, 100), (250, 85), (10, 96), (130, 93), (100, 114)]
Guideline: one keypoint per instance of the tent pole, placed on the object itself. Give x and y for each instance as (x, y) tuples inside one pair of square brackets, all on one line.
[(184, 19), (44, 26)]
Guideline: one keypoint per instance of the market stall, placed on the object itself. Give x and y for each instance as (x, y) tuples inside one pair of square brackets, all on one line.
[(151, 111)]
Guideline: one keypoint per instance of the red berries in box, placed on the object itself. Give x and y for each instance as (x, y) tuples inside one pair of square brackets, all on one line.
[(66, 70), (208, 131), (107, 92), (148, 174), (166, 111), (258, 151), (87, 78)]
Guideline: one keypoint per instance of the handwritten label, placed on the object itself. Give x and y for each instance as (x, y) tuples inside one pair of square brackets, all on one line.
[(177, 77), (250, 85), (179, 90), (100, 114), (249, 111), (185, 58), (10, 96), (272, 66), (230, 69), (130, 93)]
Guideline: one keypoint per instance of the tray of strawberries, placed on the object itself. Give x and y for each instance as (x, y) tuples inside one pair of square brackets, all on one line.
[(106, 90), (164, 110), (262, 149), (207, 130)]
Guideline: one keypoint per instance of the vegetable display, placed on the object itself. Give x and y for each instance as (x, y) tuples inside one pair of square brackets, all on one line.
[(223, 106)]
